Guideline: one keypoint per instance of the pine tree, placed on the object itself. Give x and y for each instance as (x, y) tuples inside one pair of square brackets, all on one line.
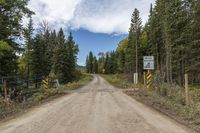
[(72, 50), (106, 64), (37, 63), (91, 62), (120, 55), (133, 43), (60, 57), (49, 50), (95, 67), (101, 61), (155, 36), (194, 43), (87, 65), (29, 39)]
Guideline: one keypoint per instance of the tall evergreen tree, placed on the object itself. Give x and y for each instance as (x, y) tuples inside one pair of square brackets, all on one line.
[(133, 43), (95, 65), (87, 65), (72, 50), (37, 57), (60, 57), (29, 40), (91, 62)]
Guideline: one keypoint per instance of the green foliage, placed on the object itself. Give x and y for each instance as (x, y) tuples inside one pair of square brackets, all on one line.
[(4, 48), (90, 62), (95, 65), (87, 65), (65, 58), (121, 55), (37, 56), (83, 80), (92, 65), (8, 64), (11, 15), (133, 43), (171, 35), (22, 65)]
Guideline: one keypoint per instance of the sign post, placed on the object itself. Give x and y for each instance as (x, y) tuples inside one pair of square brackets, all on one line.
[(148, 64), (45, 83), (5, 89)]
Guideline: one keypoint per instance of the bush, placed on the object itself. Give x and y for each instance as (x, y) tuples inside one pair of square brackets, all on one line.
[(118, 80), (43, 94)]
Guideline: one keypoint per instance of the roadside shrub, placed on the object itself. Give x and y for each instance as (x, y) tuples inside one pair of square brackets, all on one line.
[(37, 97), (43, 94), (77, 75), (50, 92), (195, 95)]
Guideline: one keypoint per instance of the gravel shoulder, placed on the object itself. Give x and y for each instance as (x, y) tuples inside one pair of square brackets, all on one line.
[(95, 108)]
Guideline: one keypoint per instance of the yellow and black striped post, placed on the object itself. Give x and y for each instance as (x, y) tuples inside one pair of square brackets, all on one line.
[(45, 83), (148, 79)]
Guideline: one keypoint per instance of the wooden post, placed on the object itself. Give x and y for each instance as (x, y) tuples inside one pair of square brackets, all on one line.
[(5, 89), (144, 78), (186, 90)]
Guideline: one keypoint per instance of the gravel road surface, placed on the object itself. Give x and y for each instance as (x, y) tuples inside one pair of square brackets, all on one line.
[(95, 108)]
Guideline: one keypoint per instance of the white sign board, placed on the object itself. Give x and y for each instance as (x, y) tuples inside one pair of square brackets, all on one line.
[(148, 62)]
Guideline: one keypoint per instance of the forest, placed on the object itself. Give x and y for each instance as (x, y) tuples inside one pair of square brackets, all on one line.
[(28, 55), (171, 35)]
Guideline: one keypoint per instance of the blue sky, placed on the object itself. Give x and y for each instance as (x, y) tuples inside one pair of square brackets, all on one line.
[(97, 25), (95, 42)]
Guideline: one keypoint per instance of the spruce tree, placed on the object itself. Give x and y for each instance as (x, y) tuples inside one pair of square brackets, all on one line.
[(87, 65), (120, 55), (91, 62), (37, 58), (106, 64), (29, 39), (95, 67), (72, 50), (133, 43), (60, 57)]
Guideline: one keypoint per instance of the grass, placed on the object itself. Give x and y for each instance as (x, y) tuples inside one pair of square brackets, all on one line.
[(118, 81), (10, 109), (165, 98), (85, 79)]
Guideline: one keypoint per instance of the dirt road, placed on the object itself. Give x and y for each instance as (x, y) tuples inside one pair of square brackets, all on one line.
[(95, 108)]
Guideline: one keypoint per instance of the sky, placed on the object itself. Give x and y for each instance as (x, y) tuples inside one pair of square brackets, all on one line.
[(97, 25)]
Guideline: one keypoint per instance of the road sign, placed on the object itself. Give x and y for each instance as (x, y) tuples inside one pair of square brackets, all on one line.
[(148, 62)]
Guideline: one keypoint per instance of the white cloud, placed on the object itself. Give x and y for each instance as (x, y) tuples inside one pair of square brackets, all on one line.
[(102, 16)]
